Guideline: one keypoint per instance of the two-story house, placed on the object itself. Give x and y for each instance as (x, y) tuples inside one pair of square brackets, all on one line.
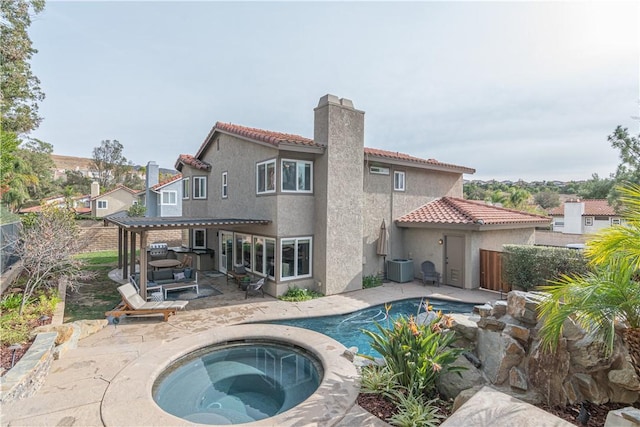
[(118, 199), (162, 199), (316, 205), (584, 216)]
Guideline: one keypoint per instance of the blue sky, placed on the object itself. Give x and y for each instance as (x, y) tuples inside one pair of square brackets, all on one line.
[(516, 90)]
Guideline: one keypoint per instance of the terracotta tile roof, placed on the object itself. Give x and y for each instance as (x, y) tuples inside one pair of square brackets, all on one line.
[(394, 155), (189, 160), (167, 181), (119, 187), (273, 138), (592, 207), (451, 210)]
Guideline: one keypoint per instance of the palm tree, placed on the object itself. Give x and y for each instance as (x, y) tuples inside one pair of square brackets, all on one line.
[(609, 294)]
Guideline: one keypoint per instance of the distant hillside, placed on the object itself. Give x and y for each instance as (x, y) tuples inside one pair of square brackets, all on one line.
[(84, 164)]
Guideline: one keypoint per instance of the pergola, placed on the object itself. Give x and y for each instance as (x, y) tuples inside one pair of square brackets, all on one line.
[(129, 227)]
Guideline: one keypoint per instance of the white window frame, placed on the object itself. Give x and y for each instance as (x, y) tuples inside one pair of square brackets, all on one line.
[(225, 185), (195, 238), (239, 252), (260, 269), (296, 242), (102, 202), (265, 177), (588, 221), (399, 181), (300, 166), (200, 184), (615, 221), (185, 188), (171, 195)]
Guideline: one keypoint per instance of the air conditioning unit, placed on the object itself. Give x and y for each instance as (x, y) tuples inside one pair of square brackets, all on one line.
[(400, 270)]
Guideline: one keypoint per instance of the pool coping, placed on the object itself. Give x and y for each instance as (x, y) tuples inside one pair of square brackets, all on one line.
[(128, 399)]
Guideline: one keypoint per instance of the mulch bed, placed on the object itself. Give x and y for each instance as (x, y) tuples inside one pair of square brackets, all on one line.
[(7, 357), (383, 409)]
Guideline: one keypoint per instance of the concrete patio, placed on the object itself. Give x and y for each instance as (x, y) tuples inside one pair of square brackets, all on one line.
[(75, 389)]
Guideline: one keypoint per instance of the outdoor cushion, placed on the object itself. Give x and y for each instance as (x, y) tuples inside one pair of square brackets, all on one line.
[(178, 276)]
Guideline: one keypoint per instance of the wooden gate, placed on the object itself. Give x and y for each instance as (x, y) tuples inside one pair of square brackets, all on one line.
[(491, 271)]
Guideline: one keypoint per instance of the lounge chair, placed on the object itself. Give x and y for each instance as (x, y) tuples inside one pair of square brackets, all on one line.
[(255, 288), (429, 273), (133, 304)]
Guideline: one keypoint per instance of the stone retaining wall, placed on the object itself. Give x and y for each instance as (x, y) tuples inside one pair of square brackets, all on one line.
[(26, 377), (505, 344)]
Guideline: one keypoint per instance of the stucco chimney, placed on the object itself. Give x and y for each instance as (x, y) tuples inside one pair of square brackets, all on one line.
[(95, 189), (338, 176), (153, 174)]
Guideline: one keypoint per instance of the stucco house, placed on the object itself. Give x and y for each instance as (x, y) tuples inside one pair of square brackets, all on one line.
[(308, 212), (584, 216), (161, 199), (118, 199)]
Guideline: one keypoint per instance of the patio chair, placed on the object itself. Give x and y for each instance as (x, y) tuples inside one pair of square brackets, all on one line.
[(429, 273), (255, 288), (133, 304), (186, 261)]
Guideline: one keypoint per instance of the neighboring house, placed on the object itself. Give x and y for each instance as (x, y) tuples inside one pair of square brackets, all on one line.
[(162, 199), (81, 204), (120, 198), (307, 212), (584, 216)]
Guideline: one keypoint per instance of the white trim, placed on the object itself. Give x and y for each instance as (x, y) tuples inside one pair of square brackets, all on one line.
[(203, 187), (185, 191), (294, 274), (273, 179), (300, 166), (399, 184), (168, 193), (224, 191)]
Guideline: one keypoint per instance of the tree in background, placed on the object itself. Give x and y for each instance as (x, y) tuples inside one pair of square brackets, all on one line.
[(110, 163), (37, 154), (547, 199), (629, 168), (19, 87), (596, 188), (517, 197), (79, 183)]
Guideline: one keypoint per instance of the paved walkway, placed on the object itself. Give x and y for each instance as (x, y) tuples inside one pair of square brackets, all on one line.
[(73, 393)]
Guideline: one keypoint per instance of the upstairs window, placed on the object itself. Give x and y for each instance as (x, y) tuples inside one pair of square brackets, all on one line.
[(588, 220), (266, 177), (185, 188), (169, 197), (398, 181), (199, 187), (224, 185), (102, 204), (297, 176)]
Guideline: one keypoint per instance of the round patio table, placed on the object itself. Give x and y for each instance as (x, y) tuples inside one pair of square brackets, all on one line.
[(164, 263)]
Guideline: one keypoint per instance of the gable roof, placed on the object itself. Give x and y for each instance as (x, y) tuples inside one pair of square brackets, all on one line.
[(454, 211), (282, 140), (189, 160), (592, 207), (118, 188), (167, 181), (397, 156)]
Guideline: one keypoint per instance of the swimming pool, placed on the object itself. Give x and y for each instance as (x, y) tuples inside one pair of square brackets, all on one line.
[(347, 328)]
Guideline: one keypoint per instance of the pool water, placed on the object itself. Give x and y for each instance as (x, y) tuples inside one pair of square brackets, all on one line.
[(347, 328), (237, 383)]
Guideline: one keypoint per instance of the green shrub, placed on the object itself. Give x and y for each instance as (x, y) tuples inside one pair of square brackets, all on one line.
[(378, 380), (417, 353), (371, 281), (16, 328), (527, 267), (297, 294), (413, 411)]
